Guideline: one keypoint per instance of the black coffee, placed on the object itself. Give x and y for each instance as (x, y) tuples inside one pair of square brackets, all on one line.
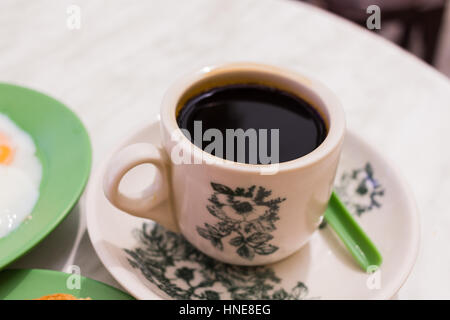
[(300, 127)]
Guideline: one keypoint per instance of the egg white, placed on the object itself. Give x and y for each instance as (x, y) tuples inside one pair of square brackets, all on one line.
[(20, 179)]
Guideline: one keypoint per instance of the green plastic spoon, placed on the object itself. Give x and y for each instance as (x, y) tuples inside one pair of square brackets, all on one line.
[(355, 239)]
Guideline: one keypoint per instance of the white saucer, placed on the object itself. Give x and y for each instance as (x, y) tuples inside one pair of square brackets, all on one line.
[(152, 263)]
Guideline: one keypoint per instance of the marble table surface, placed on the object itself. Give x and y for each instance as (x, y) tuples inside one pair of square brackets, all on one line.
[(114, 70)]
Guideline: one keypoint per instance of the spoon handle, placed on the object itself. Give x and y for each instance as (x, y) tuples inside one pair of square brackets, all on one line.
[(354, 238)]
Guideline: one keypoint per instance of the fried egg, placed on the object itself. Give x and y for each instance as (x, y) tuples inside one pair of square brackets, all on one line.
[(20, 175)]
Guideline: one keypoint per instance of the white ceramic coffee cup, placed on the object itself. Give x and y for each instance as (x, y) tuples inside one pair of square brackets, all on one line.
[(238, 213)]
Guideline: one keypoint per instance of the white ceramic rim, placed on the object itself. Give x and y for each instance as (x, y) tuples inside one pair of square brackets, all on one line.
[(413, 252), (127, 278), (336, 116)]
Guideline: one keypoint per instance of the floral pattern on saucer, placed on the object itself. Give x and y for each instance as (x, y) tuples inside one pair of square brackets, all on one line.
[(359, 190), (171, 263)]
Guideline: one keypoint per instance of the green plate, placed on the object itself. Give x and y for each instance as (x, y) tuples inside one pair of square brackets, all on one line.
[(64, 150), (34, 283)]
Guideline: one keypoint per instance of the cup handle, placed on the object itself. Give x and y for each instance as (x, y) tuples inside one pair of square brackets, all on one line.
[(147, 203)]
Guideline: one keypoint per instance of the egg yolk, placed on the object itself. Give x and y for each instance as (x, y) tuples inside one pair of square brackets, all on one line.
[(6, 152)]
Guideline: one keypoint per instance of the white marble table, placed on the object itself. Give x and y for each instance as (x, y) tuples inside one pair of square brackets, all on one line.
[(114, 70)]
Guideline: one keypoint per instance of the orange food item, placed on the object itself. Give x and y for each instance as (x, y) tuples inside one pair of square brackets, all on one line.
[(5, 155), (60, 296), (6, 152)]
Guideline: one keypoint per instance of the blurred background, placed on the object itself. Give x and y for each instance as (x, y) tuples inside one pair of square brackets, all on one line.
[(420, 26)]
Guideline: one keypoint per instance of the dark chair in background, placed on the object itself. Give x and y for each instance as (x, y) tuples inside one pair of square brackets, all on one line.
[(423, 17)]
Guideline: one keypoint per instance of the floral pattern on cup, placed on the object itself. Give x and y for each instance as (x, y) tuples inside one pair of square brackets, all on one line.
[(180, 271), (246, 217)]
